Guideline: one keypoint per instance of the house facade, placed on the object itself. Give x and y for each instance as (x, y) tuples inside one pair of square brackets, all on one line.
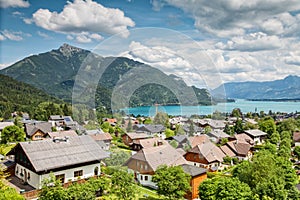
[(69, 159), (38, 130), (206, 155), (258, 136), (144, 163), (128, 138), (198, 175)]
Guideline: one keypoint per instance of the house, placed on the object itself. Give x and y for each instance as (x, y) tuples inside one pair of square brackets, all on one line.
[(217, 135), (212, 123), (199, 139), (296, 138), (128, 138), (152, 129), (206, 155), (37, 131), (238, 149), (146, 143), (61, 134), (258, 136), (182, 140), (101, 138), (198, 175), (69, 159), (111, 121), (145, 162), (242, 137), (63, 122), (197, 130)]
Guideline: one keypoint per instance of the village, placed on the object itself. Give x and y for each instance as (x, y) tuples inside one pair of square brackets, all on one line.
[(203, 146)]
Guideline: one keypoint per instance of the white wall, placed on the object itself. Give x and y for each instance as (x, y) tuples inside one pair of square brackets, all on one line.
[(36, 180), (141, 179)]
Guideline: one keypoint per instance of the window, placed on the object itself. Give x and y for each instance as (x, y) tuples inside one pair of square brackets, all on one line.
[(17, 170), (78, 173), (146, 178), (96, 171), (146, 167), (28, 176), (60, 177), (141, 177)]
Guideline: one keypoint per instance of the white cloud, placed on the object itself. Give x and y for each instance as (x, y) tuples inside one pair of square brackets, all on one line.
[(11, 35), (44, 35), (2, 37), (227, 18), (84, 16), (251, 42), (14, 3), (84, 37)]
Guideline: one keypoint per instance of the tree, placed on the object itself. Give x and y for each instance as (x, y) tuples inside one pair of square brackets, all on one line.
[(268, 175), (236, 113), (172, 182), (179, 130), (191, 129), (99, 185), (82, 191), (52, 189), (238, 127), (275, 138), (224, 188), (122, 185), (207, 129), (129, 125), (289, 125), (12, 134), (228, 130), (174, 144), (161, 118), (267, 125), (169, 133), (117, 158)]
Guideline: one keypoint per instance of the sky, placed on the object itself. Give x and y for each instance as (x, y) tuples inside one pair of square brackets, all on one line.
[(206, 43)]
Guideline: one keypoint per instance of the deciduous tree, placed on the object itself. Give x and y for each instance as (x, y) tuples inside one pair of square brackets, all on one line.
[(12, 134), (123, 185), (172, 182)]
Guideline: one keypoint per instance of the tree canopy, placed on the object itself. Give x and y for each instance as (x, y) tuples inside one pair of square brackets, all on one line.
[(12, 134), (225, 188), (172, 182)]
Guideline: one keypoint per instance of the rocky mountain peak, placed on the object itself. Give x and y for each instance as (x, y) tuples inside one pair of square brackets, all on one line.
[(68, 50)]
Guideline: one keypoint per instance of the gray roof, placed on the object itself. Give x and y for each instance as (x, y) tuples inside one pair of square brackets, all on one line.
[(159, 155), (152, 128), (43, 126), (48, 154), (5, 124), (255, 133), (218, 134), (193, 170), (69, 133)]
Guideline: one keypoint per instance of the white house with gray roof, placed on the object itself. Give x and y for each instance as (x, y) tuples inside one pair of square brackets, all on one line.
[(69, 159), (258, 136)]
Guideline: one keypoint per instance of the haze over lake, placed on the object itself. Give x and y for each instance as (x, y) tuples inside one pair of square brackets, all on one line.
[(244, 105)]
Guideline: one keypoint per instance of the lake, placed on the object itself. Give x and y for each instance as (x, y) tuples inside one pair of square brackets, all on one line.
[(244, 105)]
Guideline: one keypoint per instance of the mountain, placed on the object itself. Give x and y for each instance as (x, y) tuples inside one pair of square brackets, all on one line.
[(20, 96), (68, 70), (287, 88)]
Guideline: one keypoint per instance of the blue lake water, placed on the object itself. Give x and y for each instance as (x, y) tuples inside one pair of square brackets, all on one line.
[(244, 105)]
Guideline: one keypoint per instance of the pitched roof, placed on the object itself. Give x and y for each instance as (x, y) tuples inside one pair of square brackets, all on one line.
[(43, 126), (218, 134), (227, 151), (56, 117), (69, 133), (193, 170), (150, 142), (255, 133), (48, 154), (199, 139), (5, 124), (296, 136), (240, 148), (101, 136), (135, 136), (209, 151), (159, 155), (153, 128), (242, 137)]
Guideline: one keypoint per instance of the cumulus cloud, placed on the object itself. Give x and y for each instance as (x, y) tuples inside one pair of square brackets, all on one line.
[(83, 16), (44, 35), (251, 42), (84, 37), (12, 35), (227, 18), (14, 3)]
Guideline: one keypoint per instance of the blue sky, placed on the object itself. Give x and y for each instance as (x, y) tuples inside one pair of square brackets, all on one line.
[(244, 40)]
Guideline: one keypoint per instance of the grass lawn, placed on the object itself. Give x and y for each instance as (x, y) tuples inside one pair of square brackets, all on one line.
[(142, 194)]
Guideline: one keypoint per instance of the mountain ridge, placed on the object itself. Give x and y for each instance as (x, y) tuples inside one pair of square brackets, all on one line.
[(286, 88), (55, 73)]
